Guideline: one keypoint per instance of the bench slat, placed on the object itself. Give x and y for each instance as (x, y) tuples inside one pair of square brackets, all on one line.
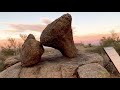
[(114, 56)]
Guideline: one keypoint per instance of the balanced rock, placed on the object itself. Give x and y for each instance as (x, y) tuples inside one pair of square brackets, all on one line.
[(31, 51), (58, 35)]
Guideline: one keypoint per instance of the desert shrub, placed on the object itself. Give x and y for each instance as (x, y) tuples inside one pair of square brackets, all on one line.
[(96, 49), (23, 36), (112, 40), (12, 47), (2, 57), (7, 51), (12, 42), (89, 45), (81, 44), (117, 48)]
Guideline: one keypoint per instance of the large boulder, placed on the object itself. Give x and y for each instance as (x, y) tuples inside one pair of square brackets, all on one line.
[(93, 70), (58, 35), (31, 51)]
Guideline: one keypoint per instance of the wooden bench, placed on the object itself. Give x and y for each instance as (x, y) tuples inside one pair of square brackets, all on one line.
[(114, 56)]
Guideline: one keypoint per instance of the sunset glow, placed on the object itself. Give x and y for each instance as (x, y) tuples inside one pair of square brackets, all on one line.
[(87, 26)]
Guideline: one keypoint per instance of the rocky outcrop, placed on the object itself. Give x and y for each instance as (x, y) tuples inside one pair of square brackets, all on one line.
[(31, 51), (55, 66), (93, 70), (11, 72), (58, 35), (11, 61)]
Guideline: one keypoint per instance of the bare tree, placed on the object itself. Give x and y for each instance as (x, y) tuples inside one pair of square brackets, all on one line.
[(12, 42), (23, 36), (114, 35)]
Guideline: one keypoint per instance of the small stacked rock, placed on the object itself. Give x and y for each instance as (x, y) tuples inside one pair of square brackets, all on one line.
[(31, 51), (58, 35)]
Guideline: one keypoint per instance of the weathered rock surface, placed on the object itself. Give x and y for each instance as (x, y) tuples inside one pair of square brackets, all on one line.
[(11, 61), (31, 51), (11, 72), (53, 66), (58, 35), (93, 70)]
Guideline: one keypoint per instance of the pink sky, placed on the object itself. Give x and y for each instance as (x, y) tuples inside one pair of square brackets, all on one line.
[(93, 39), (87, 27), (86, 39)]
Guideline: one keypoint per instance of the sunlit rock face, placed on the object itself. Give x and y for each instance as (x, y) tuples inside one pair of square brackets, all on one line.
[(31, 51), (58, 35)]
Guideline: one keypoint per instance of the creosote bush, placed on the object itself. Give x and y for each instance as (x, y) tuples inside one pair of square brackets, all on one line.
[(112, 41)]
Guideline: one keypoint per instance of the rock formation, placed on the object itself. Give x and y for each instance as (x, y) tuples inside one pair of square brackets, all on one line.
[(58, 35), (57, 66), (53, 64), (31, 51)]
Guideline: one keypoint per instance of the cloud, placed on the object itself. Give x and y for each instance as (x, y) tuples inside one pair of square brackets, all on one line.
[(8, 30), (36, 29), (46, 21), (23, 27), (33, 27), (16, 27)]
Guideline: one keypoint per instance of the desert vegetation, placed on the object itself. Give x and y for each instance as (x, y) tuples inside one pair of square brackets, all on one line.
[(74, 60), (11, 49), (113, 40)]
